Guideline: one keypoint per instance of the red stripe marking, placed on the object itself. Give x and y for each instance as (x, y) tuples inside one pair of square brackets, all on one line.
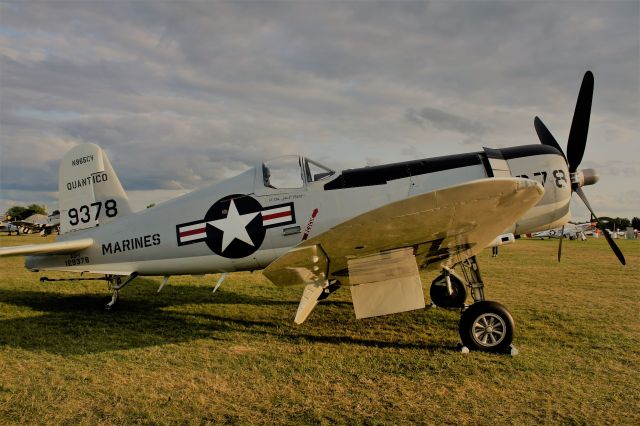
[(275, 215), (310, 224), (193, 231)]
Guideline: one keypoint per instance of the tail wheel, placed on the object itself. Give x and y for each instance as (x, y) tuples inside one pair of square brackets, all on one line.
[(487, 326), (440, 294)]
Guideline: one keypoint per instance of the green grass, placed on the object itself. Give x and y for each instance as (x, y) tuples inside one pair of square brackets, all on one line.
[(185, 356)]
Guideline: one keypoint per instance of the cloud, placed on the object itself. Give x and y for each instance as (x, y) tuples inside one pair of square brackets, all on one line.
[(181, 94), (628, 169), (443, 120)]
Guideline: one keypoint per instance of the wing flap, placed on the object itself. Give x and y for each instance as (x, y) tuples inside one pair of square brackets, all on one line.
[(385, 283), (48, 248)]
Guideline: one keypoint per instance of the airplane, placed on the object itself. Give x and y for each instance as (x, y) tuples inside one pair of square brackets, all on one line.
[(38, 223), (8, 227), (570, 230), (304, 224), (616, 234)]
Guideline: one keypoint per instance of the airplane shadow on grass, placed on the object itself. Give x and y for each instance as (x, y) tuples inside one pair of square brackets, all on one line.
[(66, 324)]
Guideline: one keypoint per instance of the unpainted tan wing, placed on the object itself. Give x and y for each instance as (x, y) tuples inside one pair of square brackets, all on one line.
[(454, 222), (48, 248)]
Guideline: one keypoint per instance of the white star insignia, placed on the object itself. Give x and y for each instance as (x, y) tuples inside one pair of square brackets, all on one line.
[(234, 226)]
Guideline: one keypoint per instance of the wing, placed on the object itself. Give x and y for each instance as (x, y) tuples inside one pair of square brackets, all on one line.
[(49, 248), (459, 220), (442, 226)]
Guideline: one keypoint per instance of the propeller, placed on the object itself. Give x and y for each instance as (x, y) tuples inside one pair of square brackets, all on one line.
[(580, 124), (560, 245), (612, 243), (545, 135), (575, 151)]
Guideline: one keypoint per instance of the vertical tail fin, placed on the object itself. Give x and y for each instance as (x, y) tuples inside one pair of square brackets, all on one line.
[(90, 193)]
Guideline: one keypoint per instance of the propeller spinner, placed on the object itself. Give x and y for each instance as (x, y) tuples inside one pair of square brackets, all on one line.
[(575, 151)]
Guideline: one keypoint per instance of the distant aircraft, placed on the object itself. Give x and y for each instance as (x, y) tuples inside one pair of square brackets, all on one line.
[(570, 230), (371, 229), (616, 234), (38, 223), (7, 226)]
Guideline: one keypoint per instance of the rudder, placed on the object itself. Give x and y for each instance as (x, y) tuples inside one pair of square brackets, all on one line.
[(90, 193)]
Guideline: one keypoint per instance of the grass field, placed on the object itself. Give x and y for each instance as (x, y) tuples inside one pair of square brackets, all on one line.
[(185, 356)]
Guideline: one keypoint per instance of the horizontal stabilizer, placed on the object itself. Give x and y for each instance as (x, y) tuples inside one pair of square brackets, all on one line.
[(49, 248)]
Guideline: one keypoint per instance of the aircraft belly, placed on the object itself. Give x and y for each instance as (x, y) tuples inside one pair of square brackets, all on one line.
[(542, 222), (208, 264)]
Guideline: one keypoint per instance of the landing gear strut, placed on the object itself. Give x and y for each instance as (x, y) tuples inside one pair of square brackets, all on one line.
[(115, 284), (484, 326)]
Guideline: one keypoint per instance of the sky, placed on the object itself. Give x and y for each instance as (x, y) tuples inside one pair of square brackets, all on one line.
[(184, 94)]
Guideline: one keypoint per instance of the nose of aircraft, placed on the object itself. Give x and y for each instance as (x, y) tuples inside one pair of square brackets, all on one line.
[(575, 150)]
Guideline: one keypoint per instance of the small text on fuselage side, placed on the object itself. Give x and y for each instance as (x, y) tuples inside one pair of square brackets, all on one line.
[(77, 260)]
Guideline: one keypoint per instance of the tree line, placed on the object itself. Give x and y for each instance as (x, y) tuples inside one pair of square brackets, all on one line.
[(21, 213), (620, 223)]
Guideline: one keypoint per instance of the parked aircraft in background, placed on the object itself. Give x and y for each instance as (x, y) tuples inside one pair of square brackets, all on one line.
[(38, 223), (8, 227), (570, 230), (371, 229)]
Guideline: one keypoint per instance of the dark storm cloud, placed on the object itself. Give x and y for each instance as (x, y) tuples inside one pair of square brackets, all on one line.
[(180, 94)]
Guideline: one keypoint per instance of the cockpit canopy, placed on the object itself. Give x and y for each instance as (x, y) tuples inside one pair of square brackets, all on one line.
[(292, 171)]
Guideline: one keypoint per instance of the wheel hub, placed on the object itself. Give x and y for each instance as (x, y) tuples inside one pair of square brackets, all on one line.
[(489, 330)]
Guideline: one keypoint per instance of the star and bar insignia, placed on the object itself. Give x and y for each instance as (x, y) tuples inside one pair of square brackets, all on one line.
[(235, 225)]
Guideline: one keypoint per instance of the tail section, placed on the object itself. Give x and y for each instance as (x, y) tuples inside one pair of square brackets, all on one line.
[(90, 193)]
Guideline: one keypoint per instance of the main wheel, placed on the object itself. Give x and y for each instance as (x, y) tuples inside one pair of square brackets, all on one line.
[(440, 295), (487, 326)]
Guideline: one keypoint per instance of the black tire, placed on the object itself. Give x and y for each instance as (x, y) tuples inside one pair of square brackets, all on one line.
[(441, 298), (487, 326)]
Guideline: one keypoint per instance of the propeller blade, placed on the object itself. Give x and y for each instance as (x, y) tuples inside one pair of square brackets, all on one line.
[(545, 136), (560, 245), (612, 243), (580, 123)]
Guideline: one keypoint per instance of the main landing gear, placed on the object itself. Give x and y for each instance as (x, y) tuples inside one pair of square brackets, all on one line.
[(484, 326), (487, 326)]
